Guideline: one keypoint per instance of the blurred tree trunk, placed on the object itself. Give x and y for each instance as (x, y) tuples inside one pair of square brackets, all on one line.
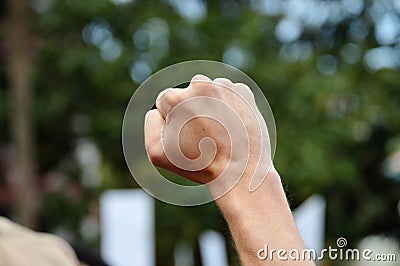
[(20, 69)]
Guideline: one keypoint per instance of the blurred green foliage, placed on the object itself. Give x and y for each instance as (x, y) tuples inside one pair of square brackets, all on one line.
[(337, 122)]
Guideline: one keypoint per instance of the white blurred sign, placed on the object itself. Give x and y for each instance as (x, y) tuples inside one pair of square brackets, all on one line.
[(213, 249), (127, 228), (310, 220)]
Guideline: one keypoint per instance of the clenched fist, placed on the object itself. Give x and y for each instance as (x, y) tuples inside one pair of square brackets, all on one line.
[(210, 132)]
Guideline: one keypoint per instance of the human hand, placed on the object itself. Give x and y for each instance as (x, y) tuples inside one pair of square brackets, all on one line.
[(210, 132)]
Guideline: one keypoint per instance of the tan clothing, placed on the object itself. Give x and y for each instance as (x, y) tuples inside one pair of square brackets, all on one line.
[(20, 246)]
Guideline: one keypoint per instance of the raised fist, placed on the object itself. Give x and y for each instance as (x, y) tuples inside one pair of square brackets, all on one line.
[(210, 132)]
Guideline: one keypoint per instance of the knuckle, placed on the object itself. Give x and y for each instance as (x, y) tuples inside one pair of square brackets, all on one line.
[(162, 94), (199, 77), (171, 97), (175, 96), (200, 82), (223, 81), (244, 90)]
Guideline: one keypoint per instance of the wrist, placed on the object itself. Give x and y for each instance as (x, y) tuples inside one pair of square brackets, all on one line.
[(239, 201)]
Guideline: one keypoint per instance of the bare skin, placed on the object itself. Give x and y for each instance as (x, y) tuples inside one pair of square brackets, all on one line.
[(255, 218)]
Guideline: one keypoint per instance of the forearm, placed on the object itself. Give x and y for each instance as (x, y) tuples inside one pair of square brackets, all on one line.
[(260, 218)]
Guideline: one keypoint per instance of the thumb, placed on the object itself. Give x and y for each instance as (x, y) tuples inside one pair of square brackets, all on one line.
[(153, 126)]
